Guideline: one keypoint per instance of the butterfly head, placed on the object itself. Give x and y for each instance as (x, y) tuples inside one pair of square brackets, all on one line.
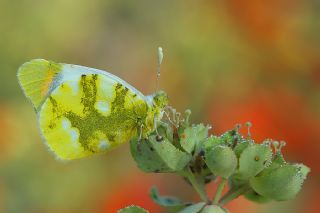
[(160, 99)]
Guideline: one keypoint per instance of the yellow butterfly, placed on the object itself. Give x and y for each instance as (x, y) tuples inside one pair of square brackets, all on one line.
[(82, 111)]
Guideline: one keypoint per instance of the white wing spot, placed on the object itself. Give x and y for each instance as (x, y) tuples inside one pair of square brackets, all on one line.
[(65, 123), (72, 132), (74, 86), (74, 135), (103, 145), (102, 106)]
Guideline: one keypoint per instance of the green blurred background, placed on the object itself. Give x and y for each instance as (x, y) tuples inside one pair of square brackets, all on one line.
[(229, 61)]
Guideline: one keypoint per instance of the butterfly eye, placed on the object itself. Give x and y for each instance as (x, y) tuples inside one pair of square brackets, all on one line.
[(160, 99)]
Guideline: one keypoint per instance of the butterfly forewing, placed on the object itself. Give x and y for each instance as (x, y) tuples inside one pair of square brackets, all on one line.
[(86, 111)]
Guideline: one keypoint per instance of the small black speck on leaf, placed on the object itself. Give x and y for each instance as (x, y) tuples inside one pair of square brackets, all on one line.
[(159, 138)]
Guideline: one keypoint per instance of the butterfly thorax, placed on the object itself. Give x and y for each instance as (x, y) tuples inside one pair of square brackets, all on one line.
[(157, 102)]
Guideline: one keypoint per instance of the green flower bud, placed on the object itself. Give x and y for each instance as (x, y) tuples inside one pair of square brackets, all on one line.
[(253, 160), (133, 209), (211, 142), (153, 155), (192, 136), (232, 137), (213, 209), (193, 208), (221, 160), (282, 183)]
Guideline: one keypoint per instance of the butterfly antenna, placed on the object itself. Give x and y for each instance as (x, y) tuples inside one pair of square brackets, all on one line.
[(160, 57)]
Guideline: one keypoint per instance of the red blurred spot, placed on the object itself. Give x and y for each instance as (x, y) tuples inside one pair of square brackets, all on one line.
[(263, 21), (241, 204), (134, 190)]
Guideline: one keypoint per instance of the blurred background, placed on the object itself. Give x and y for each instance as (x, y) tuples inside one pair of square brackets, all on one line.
[(229, 61)]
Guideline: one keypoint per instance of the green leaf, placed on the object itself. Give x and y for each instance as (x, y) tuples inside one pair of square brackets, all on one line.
[(240, 147), (192, 136), (302, 169), (193, 208), (253, 160), (255, 197), (133, 209), (221, 160), (158, 156), (213, 209), (277, 161), (165, 130), (282, 183), (172, 204)]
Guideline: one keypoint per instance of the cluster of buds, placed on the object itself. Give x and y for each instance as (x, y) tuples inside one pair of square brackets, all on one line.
[(257, 171)]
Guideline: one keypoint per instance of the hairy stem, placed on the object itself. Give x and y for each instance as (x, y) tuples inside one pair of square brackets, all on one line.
[(233, 194), (199, 187), (219, 191)]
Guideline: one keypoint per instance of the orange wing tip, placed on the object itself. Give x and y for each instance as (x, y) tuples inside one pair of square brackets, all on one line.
[(36, 77)]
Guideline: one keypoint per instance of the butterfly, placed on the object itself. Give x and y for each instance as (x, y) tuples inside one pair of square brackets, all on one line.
[(82, 111)]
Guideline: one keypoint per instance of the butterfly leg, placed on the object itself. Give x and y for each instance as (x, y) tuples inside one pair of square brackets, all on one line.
[(140, 138), (141, 132), (158, 137), (155, 125)]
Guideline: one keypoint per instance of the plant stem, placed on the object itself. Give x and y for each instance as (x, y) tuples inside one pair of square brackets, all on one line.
[(233, 194), (219, 191), (196, 185)]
